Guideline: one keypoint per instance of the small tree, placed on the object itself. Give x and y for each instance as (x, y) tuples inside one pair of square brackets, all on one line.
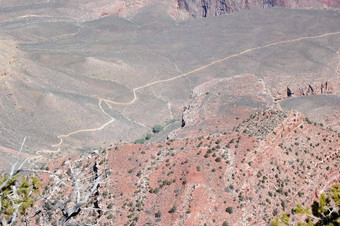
[(70, 191), (140, 141), (158, 214), (326, 211), (148, 136), (79, 187), (173, 209), (157, 129), (17, 194), (225, 223), (229, 210)]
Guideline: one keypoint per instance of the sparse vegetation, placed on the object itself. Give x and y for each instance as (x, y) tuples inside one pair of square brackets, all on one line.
[(229, 210), (157, 128), (326, 211), (148, 136), (173, 209), (140, 141), (16, 196), (158, 214)]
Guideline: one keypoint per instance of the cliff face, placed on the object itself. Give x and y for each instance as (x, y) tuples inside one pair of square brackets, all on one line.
[(309, 89), (221, 104), (204, 8)]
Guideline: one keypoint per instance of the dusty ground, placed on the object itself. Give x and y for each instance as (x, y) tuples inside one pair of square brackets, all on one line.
[(77, 79), (68, 84)]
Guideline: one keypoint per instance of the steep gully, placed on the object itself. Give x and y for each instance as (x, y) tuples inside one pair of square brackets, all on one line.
[(134, 90)]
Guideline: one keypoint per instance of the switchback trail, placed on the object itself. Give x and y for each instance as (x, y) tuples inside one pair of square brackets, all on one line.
[(86, 130), (60, 137)]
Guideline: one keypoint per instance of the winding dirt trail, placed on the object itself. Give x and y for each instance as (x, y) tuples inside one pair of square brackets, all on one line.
[(60, 137), (216, 62)]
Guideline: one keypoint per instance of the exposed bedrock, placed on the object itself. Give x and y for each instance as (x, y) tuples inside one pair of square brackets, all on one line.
[(311, 89), (204, 8)]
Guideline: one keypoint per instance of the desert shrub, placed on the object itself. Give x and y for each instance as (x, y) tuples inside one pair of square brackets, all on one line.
[(173, 209), (17, 196), (229, 210), (148, 136), (157, 128), (140, 141), (158, 214), (325, 211)]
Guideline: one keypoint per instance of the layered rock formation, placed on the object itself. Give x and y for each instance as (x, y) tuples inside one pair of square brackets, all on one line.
[(323, 88), (204, 8)]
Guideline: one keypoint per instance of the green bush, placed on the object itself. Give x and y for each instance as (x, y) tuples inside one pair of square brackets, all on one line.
[(158, 214), (173, 209), (225, 223), (16, 191), (140, 141), (157, 129)]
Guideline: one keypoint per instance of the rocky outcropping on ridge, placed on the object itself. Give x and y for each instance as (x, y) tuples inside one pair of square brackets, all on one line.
[(204, 8)]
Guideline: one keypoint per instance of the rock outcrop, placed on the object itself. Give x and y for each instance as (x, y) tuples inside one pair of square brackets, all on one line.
[(311, 89), (204, 8), (222, 100)]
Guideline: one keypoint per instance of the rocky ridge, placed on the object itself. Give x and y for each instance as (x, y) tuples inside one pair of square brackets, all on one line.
[(309, 89), (204, 8), (265, 166)]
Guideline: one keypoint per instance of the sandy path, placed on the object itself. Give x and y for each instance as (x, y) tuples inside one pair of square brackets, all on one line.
[(60, 137)]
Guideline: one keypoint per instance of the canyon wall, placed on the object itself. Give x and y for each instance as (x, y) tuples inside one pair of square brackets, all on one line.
[(204, 8)]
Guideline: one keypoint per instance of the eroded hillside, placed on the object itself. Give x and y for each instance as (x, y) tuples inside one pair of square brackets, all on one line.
[(249, 104), (265, 166), (110, 79)]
